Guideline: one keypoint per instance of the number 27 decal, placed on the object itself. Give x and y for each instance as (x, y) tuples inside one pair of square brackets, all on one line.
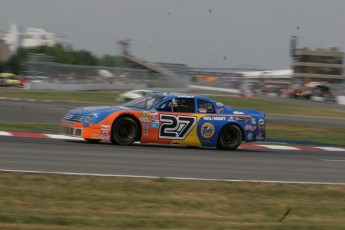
[(176, 127)]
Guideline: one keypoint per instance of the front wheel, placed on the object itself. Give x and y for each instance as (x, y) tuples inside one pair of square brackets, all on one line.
[(125, 131), (230, 137)]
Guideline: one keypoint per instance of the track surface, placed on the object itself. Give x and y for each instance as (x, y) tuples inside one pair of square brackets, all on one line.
[(28, 111), (53, 155)]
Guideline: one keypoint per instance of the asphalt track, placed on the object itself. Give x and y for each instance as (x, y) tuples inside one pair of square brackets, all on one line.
[(72, 156), (52, 155)]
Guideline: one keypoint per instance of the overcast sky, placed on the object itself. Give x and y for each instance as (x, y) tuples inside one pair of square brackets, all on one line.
[(199, 33)]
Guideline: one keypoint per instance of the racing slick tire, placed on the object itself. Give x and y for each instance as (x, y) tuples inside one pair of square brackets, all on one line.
[(230, 137), (94, 141), (124, 131)]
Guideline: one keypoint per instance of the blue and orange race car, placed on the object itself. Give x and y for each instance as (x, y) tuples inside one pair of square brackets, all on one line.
[(162, 118)]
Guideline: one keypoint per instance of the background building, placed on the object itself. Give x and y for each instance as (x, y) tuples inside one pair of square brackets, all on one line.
[(30, 37), (33, 37), (4, 51), (11, 37), (320, 65)]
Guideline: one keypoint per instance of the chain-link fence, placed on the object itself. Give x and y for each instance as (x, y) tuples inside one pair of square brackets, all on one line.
[(41, 65)]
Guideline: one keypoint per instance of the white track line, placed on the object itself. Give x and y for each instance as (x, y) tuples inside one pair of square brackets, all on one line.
[(280, 147), (172, 178), (62, 137), (331, 148), (2, 133), (274, 147)]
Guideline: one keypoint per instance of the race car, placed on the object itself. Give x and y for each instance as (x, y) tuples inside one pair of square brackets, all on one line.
[(132, 94), (188, 120)]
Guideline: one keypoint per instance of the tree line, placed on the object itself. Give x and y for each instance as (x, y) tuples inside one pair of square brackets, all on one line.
[(61, 55)]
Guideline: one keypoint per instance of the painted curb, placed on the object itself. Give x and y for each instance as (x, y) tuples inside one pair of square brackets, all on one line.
[(243, 146)]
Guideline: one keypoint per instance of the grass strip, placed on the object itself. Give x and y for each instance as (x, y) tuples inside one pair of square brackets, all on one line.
[(47, 201), (280, 108), (316, 133), (98, 97), (109, 97), (32, 128), (288, 131)]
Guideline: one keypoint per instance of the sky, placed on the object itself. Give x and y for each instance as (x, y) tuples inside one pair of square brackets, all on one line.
[(199, 33)]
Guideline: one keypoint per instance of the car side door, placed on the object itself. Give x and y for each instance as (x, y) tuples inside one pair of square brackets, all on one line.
[(175, 122)]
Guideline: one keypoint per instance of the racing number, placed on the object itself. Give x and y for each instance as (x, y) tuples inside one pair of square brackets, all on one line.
[(176, 127)]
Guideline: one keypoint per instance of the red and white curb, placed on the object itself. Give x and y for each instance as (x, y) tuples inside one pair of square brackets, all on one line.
[(243, 146)]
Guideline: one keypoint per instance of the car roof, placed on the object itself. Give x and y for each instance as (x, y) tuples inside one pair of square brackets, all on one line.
[(176, 95)]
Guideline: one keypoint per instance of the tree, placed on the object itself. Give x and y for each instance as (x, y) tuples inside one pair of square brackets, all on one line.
[(107, 60), (60, 55)]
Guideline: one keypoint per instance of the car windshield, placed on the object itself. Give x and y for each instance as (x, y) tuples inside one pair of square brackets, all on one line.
[(145, 102)]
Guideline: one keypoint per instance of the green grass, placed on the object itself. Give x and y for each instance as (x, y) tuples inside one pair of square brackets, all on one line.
[(290, 131), (99, 97), (108, 97), (46, 201), (34, 128)]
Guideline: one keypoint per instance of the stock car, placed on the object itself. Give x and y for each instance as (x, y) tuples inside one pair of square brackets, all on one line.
[(188, 120)]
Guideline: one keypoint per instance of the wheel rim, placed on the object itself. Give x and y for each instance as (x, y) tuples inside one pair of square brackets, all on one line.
[(231, 137), (125, 132)]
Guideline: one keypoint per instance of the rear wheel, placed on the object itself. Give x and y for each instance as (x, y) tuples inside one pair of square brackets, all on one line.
[(125, 131), (230, 137)]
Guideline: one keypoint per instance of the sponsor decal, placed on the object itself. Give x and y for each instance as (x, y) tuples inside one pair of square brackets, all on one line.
[(146, 130), (105, 132), (250, 128), (238, 112), (206, 140), (260, 136), (214, 118), (261, 123), (231, 119), (247, 119), (94, 135), (219, 104), (155, 123), (175, 127), (105, 127), (253, 121), (145, 114), (240, 119), (250, 136), (155, 117), (145, 119), (207, 130)]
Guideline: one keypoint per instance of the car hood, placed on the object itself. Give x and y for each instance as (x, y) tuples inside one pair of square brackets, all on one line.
[(230, 110), (253, 112), (97, 112), (98, 109)]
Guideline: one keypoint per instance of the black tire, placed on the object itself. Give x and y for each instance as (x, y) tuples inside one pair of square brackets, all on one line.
[(92, 141), (124, 131), (230, 137)]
